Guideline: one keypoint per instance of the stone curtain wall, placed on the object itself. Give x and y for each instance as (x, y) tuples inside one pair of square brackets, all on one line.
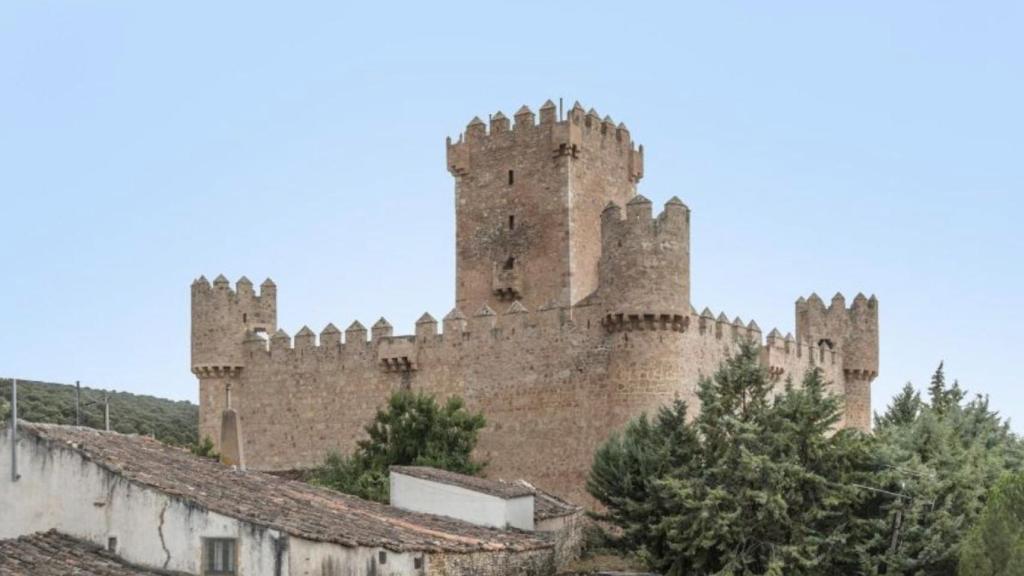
[(552, 388)]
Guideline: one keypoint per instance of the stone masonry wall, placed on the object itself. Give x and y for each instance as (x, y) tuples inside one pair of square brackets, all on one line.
[(552, 388)]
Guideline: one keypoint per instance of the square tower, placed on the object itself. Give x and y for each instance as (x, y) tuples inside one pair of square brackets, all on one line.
[(528, 202)]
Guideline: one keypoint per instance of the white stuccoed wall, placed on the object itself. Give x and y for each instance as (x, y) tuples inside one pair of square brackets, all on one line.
[(61, 489), (421, 495)]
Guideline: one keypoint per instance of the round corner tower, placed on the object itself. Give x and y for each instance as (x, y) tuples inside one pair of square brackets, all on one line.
[(644, 270)]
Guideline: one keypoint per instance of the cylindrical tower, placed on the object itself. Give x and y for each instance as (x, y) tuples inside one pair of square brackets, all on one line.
[(644, 270)]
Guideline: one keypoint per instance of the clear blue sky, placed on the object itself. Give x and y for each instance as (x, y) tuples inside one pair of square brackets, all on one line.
[(873, 146)]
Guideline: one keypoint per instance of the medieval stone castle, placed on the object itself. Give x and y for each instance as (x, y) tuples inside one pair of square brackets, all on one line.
[(572, 315)]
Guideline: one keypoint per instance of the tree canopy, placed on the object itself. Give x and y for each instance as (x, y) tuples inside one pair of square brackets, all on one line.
[(756, 483), (173, 422), (995, 546), (412, 429), (761, 481)]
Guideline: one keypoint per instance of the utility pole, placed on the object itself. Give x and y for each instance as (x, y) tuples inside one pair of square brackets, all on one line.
[(78, 401), (14, 430)]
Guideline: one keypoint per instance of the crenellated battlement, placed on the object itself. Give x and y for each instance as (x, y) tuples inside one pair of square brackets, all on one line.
[(221, 315), (852, 330), (643, 271), (579, 133)]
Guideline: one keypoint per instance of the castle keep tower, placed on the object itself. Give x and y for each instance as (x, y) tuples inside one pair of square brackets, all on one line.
[(528, 200)]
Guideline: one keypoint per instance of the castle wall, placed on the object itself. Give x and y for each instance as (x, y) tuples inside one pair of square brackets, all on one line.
[(552, 388)]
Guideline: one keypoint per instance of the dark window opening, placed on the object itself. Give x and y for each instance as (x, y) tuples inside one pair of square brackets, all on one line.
[(245, 318), (825, 342), (382, 557), (220, 557), (561, 149), (511, 177), (112, 544), (510, 263), (417, 563), (511, 222)]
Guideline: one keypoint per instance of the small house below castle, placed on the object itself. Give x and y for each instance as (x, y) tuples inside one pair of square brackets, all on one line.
[(494, 503), (164, 509)]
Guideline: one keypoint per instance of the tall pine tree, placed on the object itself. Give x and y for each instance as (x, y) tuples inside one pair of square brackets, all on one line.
[(761, 483)]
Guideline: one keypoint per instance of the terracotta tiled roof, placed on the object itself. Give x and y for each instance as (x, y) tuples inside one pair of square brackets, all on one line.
[(482, 485), (292, 507), (54, 554), (546, 506)]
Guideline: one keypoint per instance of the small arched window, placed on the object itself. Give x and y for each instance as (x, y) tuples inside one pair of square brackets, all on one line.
[(510, 263), (825, 343)]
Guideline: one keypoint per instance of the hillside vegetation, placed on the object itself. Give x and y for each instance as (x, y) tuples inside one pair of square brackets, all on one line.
[(167, 420)]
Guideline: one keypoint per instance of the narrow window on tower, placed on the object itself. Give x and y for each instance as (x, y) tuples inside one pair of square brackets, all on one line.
[(511, 177), (510, 263), (511, 222)]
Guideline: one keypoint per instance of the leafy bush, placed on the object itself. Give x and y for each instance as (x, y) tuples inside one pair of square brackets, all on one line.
[(411, 430)]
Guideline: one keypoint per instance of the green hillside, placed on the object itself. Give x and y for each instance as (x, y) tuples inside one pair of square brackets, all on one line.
[(167, 420)]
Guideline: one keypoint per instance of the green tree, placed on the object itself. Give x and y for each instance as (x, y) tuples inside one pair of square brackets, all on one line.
[(995, 546), (412, 429), (941, 458), (756, 484), (205, 449)]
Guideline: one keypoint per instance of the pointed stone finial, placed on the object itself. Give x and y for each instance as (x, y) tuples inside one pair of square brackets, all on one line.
[(839, 300), (305, 338), (499, 116), (638, 200), (577, 106), (873, 300), (516, 308), (381, 329), (221, 282), (801, 300), (426, 319), (486, 311), (547, 105), (476, 121), (524, 109), (608, 120), (455, 314), (753, 327), (243, 281), (355, 327), (280, 335), (675, 201), (789, 337), (268, 283), (706, 313), (593, 113), (815, 300), (201, 281), (738, 322), (330, 337), (723, 318), (775, 333)]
